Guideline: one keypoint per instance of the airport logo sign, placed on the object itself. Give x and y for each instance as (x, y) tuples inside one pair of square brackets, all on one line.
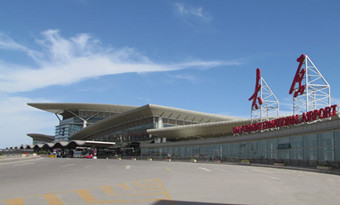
[(257, 89), (299, 75)]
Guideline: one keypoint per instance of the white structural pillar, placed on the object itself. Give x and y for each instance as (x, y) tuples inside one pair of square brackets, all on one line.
[(84, 120), (157, 140), (58, 117), (159, 126), (160, 123)]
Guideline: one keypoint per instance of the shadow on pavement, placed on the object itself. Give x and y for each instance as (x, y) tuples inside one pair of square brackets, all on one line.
[(168, 202)]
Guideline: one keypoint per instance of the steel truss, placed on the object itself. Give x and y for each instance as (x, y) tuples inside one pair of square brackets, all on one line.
[(269, 106), (311, 90)]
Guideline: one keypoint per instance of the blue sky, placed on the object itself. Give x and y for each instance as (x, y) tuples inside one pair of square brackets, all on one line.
[(197, 55)]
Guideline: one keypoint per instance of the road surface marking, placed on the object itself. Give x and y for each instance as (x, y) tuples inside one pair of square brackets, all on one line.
[(144, 194), (223, 170), (149, 190), (18, 161), (165, 192), (108, 190), (17, 201), (88, 166), (127, 167), (204, 169), (53, 199), (23, 164), (167, 168), (87, 196), (257, 170), (125, 186), (147, 184), (67, 165)]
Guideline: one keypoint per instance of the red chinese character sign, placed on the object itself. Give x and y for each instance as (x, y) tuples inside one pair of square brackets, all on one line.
[(255, 97), (311, 97), (309, 88), (299, 76), (264, 102)]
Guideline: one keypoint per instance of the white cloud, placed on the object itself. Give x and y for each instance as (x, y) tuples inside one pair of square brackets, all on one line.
[(192, 13), (19, 119), (63, 61), (187, 77), (8, 43)]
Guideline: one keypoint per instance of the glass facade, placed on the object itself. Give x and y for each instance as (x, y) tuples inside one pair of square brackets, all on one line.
[(125, 131), (315, 147), (73, 124), (135, 130)]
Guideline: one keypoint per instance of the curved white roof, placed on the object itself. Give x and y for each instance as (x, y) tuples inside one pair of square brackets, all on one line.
[(41, 137), (204, 130), (149, 111), (59, 108), (74, 143)]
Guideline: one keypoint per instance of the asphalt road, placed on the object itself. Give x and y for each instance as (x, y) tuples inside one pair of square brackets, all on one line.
[(89, 181)]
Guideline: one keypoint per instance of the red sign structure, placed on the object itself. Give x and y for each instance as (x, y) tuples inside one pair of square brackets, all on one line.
[(300, 73), (257, 89), (322, 113)]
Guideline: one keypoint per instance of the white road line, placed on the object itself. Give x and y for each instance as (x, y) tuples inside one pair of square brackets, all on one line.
[(88, 166), (257, 170), (223, 170), (204, 169), (275, 178), (67, 165), (20, 161), (23, 164), (127, 167)]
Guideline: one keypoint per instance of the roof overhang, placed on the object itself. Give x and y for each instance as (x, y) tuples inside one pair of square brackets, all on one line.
[(74, 143), (149, 111), (26, 146), (41, 137), (198, 131), (59, 108), (218, 129)]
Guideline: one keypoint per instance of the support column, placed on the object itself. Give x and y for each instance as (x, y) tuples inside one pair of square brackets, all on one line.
[(157, 140), (84, 120), (160, 123)]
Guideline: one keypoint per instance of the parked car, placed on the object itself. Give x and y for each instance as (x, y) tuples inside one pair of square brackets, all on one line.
[(88, 156), (77, 154)]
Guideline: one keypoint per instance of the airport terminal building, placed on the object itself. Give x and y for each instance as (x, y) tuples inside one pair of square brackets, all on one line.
[(309, 137), (164, 132)]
